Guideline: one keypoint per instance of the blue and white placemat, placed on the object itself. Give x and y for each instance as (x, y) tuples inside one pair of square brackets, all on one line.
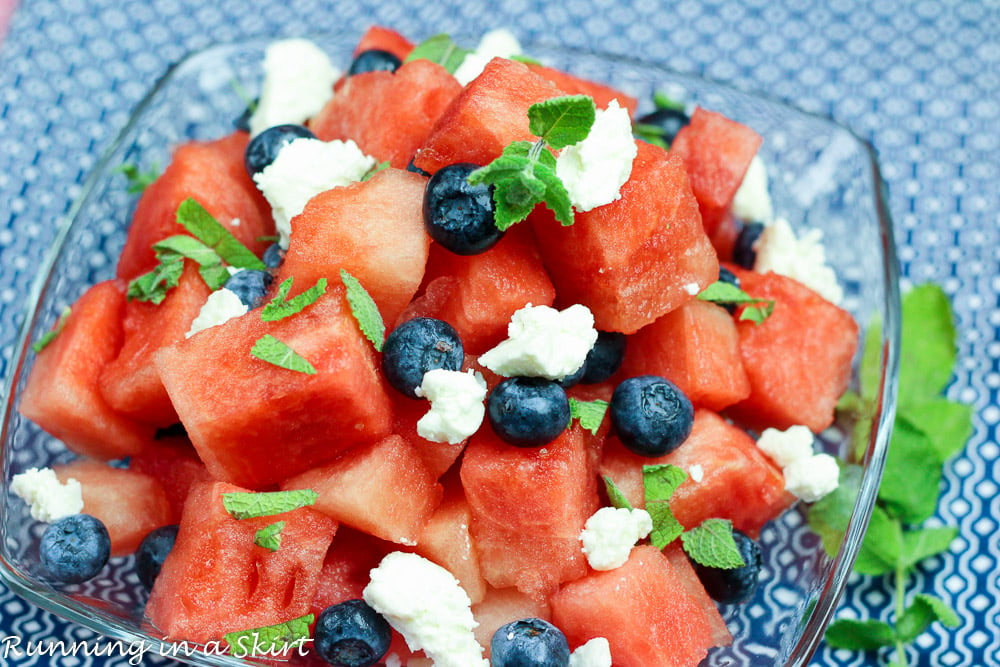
[(920, 79)]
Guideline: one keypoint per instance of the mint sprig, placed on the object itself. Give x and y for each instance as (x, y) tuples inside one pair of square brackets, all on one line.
[(439, 49), (138, 180), (210, 266), (270, 640), (249, 505), (269, 537), (193, 217), (154, 285), (46, 338), (281, 307), (721, 292), (273, 351), (364, 310), (590, 414), (659, 483), (562, 121)]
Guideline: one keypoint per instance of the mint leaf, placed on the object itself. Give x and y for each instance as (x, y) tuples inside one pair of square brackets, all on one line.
[(46, 338), (527, 60), (211, 269), (912, 476), (721, 292), (273, 351), (883, 545), (925, 610), (947, 424), (270, 640), (664, 101), (154, 285), (711, 544), (248, 505), (615, 495), (652, 134), (278, 308), (138, 180), (194, 218), (376, 169), (562, 121), (269, 537), (556, 197), (660, 482), (364, 310), (928, 352), (924, 543), (439, 49), (830, 515), (856, 635), (589, 413)]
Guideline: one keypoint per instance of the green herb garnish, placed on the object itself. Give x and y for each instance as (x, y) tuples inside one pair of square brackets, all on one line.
[(46, 338), (270, 640), (154, 285), (210, 266), (269, 537), (439, 49), (273, 351), (711, 544), (653, 134), (200, 223), (590, 414), (364, 310), (756, 311), (138, 180), (247, 505), (615, 495), (663, 101), (278, 308), (527, 60), (660, 482), (376, 169)]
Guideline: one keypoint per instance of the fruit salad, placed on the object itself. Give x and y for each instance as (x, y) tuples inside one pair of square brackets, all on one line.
[(447, 358)]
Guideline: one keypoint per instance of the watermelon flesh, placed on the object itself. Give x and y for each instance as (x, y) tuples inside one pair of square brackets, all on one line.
[(174, 463)]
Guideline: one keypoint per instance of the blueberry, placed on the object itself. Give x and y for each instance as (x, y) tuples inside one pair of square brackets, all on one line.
[(417, 346), (651, 415), (374, 60), (727, 276), (273, 256), (573, 378), (668, 121), (152, 552), (75, 548), (457, 215), (351, 634), (250, 285), (528, 412), (605, 358), (744, 254), (263, 148), (737, 584), (415, 169), (529, 642)]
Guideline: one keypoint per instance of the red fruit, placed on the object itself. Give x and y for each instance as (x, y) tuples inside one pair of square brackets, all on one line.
[(501, 606), (174, 463), (352, 555), (62, 394), (437, 457), (384, 39), (574, 85), (445, 540)]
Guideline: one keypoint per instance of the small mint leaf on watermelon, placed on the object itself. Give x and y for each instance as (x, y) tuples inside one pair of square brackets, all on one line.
[(439, 49), (269, 537), (854, 635), (270, 640), (590, 414), (194, 218), (615, 494), (211, 268), (376, 169), (46, 338), (527, 60), (757, 310), (660, 482), (711, 544), (652, 134), (249, 505), (364, 310), (663, 101), (278, 308), (154, 285), (138, 180), (273, 351), (562, 121)]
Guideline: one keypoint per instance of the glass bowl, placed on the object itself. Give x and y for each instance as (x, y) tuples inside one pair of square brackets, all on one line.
[(822, 176)]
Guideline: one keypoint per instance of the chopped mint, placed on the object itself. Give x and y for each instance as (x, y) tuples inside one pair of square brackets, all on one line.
[(138, 180), (562, 121), (527, 60), (364, 310), (270, 640), (589, 413), (663, 101), (270, 238), (711, 544), (439, 49), (376, 169), (248, 505), (721, 292), (653, 134), (194, 218), (273, 351), (660, 482), (211, 268), (46, 338), (154, 285), (615, 494), (269, 537), (278, 308)]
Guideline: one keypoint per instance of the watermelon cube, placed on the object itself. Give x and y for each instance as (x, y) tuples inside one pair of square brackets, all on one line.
[(573, 85), (344, 575), (445, 540), (174, 463), (437, 457), (500, 606), (381, 38)]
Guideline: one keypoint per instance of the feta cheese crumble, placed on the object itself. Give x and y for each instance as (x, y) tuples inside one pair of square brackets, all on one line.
[(752, 200), (610, 533), (499, 43), (425, 603), (303, 169), (595, 169), (221, 306), (808, 476), (595, 653), (48, 498), (298, 82), (457, 407), (696, 473), (803, 259), (692, 289), (544, 342), (786, 447)]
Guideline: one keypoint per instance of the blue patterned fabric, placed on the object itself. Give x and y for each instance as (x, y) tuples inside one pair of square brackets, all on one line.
[(920, 79)]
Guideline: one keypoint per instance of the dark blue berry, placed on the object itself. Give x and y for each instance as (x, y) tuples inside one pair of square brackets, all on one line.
[(250, 285), (415, 169), (152, 552), (528, 412), (75, 548), (351, 634), (651, 415), (529, 642), (374, 60), (744, 254), (273, 256), (573, 378), (605, 358), (727, 276), (457, 215), (737, 584), (263, 148), (417, 346), (668, 121)]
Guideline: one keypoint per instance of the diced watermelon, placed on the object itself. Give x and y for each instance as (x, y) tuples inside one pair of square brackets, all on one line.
[(798, 360), (130, 383), (634, 259), (257, 423), (445, 540), (352, 555), (717, 152), (696, 347), (384, 39), (501, 606), (437, 457), (489, 113), (212, 173), (174, 463), (652, 610), (388, 114), (62, 394), (383, 489), (216, 580), (724, 237), (574, 85), (128, 503), (373, 229)]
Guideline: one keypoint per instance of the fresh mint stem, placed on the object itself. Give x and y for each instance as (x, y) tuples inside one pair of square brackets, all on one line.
[(900, 610)]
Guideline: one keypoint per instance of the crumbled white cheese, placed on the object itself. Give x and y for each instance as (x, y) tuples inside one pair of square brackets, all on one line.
[(812, 478), (696, 472), (692, 289), (610, 533), (753, 201), (544, 342), (392, 660), (303, 169), (499, 43), (425, 603), (786, 447), (48, 498), (803, 259), (298, 82), (221, 306), (595, 653), (595, 169), (457, 407)]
